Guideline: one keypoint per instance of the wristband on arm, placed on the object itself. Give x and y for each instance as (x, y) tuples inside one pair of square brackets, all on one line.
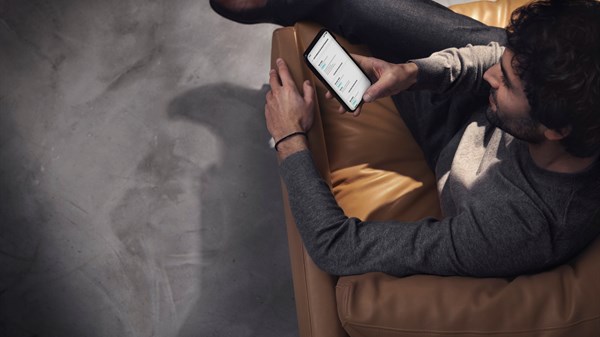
[(290, 136)]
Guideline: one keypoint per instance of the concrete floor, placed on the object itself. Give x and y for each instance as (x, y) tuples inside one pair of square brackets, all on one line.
[(138, 195)]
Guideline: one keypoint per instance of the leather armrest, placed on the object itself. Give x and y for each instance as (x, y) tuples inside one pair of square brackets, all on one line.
[(557, 303), (351, 153)]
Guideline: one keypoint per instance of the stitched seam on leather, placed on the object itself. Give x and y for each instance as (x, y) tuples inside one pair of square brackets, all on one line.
[(303, 249), (304, 253), (348, 287), (304, 262), (310, 329), (372, 327)]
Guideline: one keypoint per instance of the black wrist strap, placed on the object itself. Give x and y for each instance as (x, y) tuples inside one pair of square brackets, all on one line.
[(290, 136)]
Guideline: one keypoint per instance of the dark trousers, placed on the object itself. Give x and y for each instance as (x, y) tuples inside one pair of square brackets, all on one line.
[(397, 31)]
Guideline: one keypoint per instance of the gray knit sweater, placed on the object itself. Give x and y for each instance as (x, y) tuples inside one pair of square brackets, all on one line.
[(503, 215)]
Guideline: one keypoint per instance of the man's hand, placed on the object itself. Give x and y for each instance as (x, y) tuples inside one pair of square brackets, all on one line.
[(389, 78), (286, 111)]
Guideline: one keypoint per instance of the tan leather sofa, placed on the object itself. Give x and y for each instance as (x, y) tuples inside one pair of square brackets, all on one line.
[(377, 172)]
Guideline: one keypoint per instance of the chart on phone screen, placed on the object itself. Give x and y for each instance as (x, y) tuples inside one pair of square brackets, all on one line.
[(339, 70)]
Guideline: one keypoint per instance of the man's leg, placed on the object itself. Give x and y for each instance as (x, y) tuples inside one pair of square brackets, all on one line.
[(398, 30), (394, 30)]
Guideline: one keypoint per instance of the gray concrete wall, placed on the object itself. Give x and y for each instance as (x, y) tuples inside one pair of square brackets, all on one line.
[(137, 194)]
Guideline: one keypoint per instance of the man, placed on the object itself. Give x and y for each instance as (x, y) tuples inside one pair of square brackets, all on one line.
[(518, 176)]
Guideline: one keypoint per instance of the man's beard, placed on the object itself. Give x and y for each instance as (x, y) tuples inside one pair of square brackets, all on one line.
[(523, 128)]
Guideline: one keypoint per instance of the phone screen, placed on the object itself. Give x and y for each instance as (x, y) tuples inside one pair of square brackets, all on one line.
[(337, 68)]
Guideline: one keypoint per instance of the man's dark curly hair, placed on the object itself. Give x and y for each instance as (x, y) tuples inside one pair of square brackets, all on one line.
[(556, 46)]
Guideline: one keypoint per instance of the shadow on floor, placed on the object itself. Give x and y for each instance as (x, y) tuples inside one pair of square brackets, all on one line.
[(244, 273)]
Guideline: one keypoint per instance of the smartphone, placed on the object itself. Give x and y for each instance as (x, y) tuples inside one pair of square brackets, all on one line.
[(332, 64)]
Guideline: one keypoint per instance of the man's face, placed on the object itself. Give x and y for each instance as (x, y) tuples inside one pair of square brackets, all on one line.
[(509, 109)]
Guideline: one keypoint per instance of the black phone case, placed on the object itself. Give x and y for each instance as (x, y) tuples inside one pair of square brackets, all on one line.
[(310, 66)]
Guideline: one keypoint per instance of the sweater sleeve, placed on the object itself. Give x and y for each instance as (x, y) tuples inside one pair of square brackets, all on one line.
[(455, 69), (461, 245)]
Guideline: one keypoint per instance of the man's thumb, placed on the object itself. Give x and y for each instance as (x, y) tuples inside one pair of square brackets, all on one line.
[(309, 92), (371, 94), (379, 89)]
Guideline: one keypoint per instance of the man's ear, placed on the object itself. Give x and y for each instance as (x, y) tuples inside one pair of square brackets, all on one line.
[(557, 135)]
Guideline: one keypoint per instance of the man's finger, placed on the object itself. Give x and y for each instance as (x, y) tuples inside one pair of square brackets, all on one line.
[(328, 95), (274, 80), (367, 64), (364, 62), (359, 58), (284, 74), (379, 89), (309, 93)]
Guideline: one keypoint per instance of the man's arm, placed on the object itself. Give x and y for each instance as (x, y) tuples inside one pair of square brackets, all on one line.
[(291, 146), (483, 242), (453, 69), (457, 69)]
